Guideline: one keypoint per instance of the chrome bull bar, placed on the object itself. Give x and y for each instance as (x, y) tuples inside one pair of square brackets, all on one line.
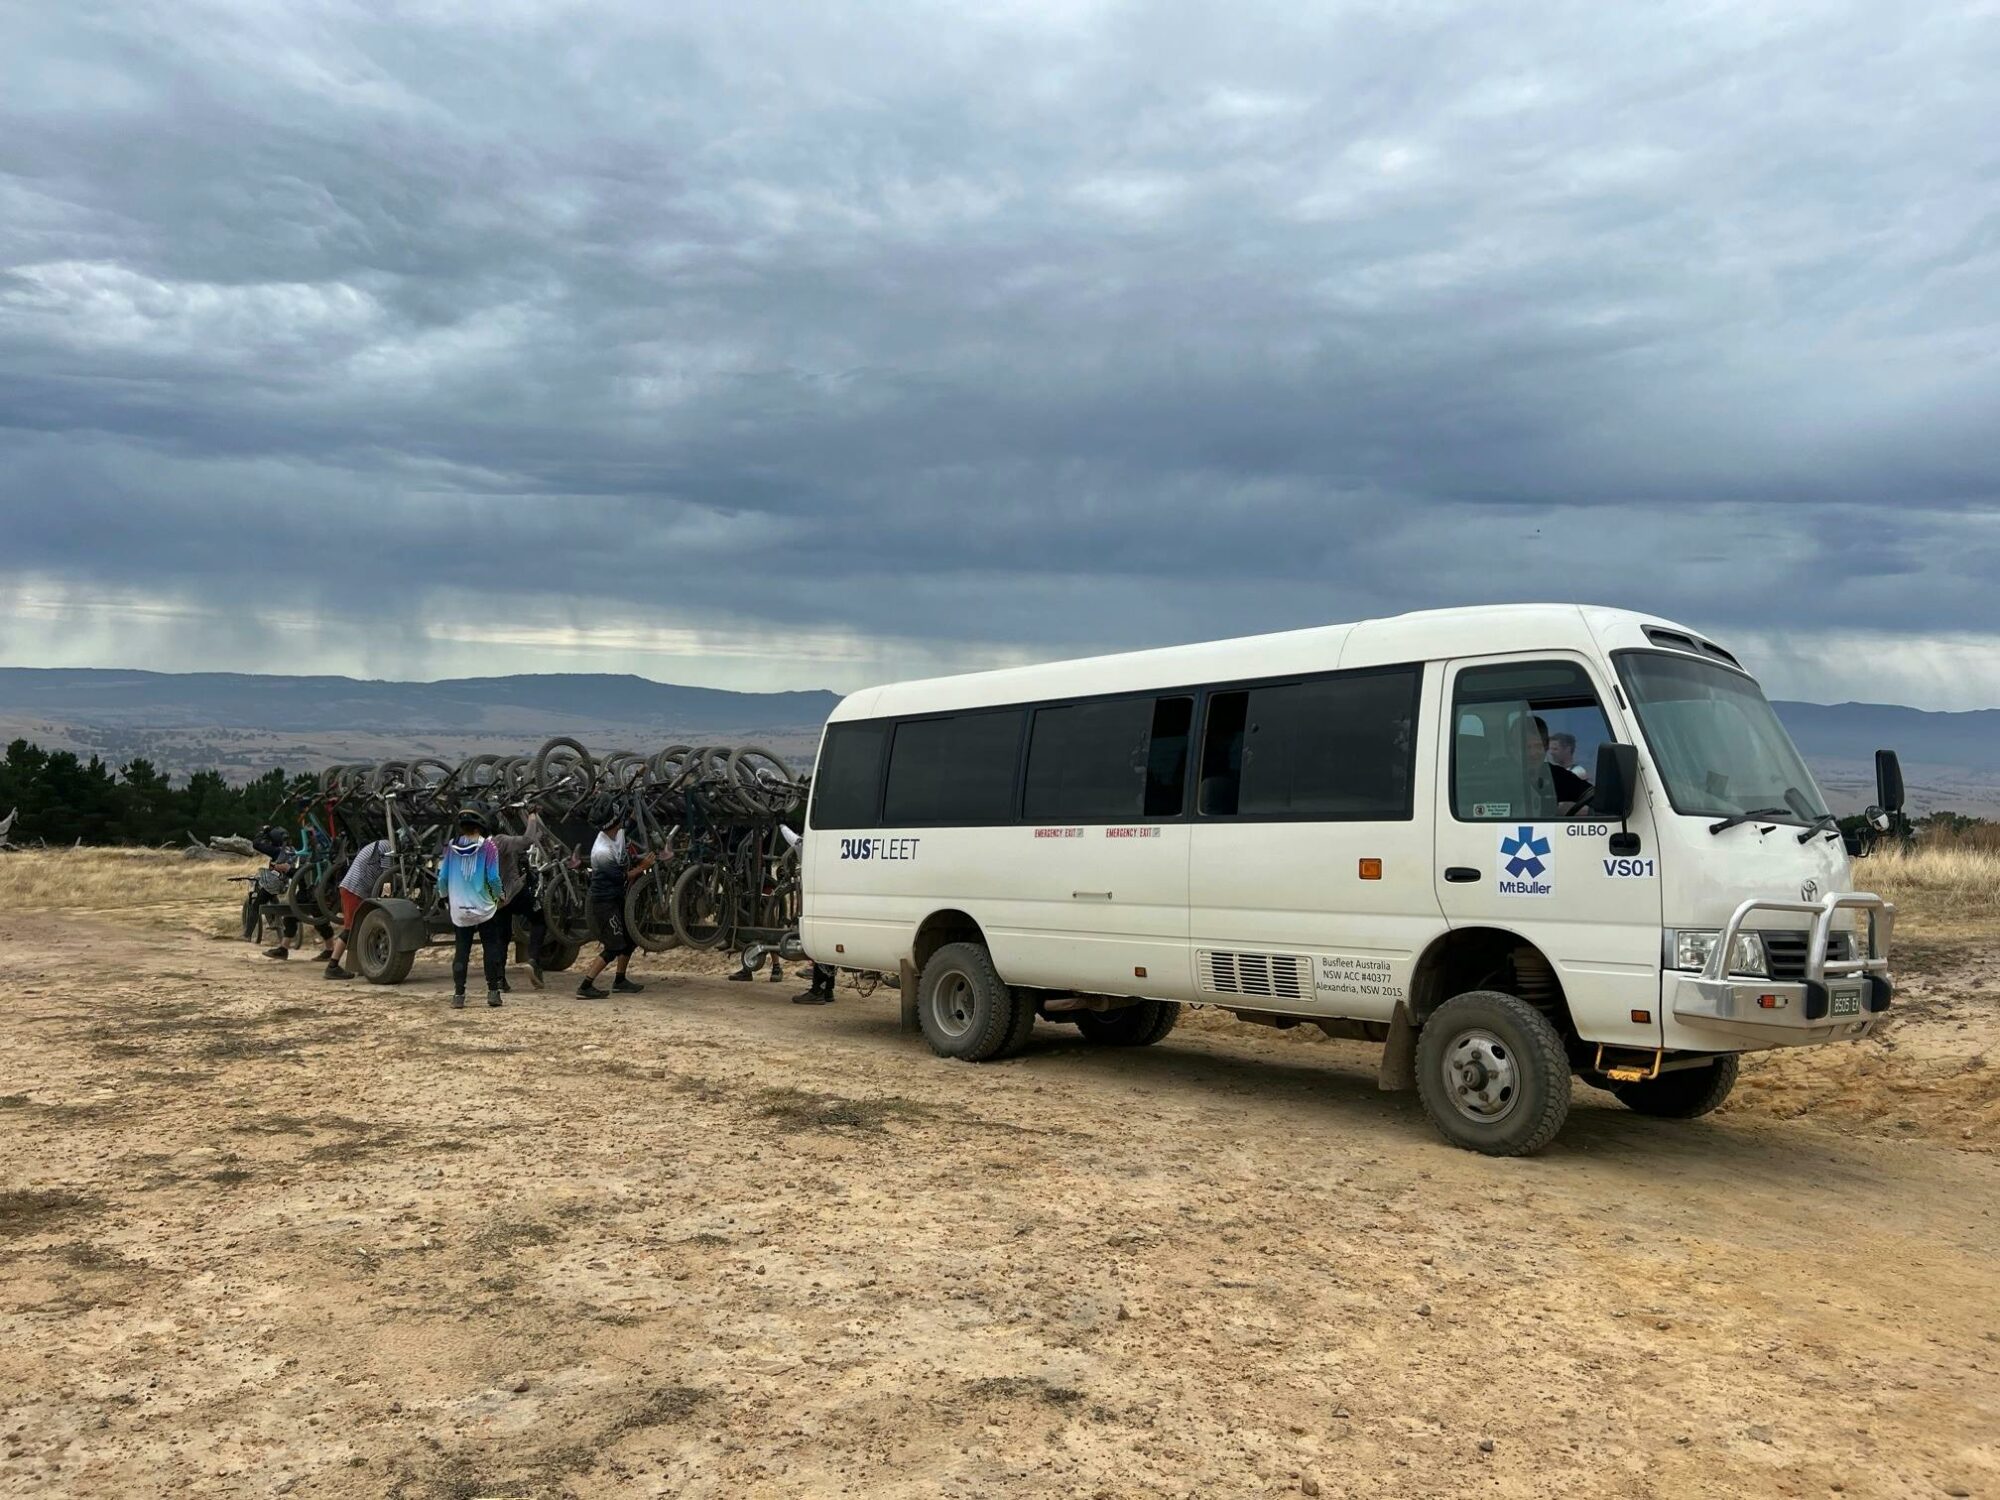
[(1797, 1006)]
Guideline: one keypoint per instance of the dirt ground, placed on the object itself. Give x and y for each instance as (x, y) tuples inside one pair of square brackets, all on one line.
[(265, 1235)]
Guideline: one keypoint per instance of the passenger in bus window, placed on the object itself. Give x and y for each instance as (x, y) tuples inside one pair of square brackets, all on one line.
[(1562, 753), (1547, 780)]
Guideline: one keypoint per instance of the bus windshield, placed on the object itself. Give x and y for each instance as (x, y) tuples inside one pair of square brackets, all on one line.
[(1716, 740)]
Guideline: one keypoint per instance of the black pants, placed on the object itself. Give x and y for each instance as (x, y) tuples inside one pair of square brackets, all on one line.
[(528, 909), (492, 935)]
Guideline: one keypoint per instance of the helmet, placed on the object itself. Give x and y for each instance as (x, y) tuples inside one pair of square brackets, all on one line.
[(476, 816), (607, 811)]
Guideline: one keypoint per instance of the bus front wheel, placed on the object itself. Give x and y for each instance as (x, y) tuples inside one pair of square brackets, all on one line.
[(964, 1007), (1493, 1074), (1685, 1094)]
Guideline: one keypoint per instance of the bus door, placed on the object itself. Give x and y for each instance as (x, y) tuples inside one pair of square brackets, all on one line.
[(1520, 737)]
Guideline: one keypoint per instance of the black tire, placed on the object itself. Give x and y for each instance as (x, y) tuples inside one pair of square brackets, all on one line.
[(1137, 1025), (375, 955), (253, 915), (965, 1008), (574, 772), (558, 955), (701, 906), (1023, 1027), (1684, 1094), (1493, 1074), (649, 917)]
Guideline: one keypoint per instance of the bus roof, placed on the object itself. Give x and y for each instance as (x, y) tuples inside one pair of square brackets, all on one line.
[(1424, 635)]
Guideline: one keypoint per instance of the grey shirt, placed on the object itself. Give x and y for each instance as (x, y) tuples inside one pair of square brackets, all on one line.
[(514, 849), (371, 865)]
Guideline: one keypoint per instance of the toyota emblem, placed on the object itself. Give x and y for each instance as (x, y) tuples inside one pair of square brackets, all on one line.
[(1809, 891)]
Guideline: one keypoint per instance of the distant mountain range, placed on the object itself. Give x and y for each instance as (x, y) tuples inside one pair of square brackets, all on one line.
[(245, 723), (239, 700)]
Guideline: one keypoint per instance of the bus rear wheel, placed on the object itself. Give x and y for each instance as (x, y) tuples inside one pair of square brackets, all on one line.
[(1137, 1025), (1493, 1074), (965, 1009), (1684, 1094)]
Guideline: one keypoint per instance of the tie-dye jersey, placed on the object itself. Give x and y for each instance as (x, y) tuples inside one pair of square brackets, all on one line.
[(469, 878)]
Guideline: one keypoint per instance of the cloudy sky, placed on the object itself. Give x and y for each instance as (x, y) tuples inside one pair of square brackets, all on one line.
[(808, 345)]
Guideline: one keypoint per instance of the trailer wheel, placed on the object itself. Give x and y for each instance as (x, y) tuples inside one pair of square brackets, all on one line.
[(558, 955), (377, 959), (1138, 1025), (1683, 1094), (1493, 1074), (965, 1009)]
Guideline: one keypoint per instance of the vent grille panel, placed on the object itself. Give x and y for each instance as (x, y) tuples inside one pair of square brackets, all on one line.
[(1265, 976), (1785, 951)]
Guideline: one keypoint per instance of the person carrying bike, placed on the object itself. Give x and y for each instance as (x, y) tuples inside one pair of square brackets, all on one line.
[(362, 882), (276, 845), (469, 883), (519, 896), (614, 864)]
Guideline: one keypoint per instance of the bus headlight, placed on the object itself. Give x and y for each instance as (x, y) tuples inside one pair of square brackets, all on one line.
[(1690, 951)]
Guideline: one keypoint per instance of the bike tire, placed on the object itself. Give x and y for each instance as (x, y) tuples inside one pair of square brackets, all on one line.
[(700, 907)]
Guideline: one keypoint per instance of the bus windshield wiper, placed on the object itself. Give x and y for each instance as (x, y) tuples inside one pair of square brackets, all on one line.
[(1752, 816), (1825, 821)]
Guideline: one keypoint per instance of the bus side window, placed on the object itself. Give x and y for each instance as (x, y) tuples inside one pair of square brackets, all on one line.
[(1222, 754), (1527, 736), (1167, 757)]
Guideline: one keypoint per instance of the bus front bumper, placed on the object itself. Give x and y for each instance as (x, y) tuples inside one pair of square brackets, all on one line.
[(1837, 997)]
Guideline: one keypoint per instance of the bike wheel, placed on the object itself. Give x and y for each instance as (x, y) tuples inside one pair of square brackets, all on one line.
[(649, 912), (701, 906), (562, 764)]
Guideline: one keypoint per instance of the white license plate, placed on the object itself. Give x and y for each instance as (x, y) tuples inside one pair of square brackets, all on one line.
[(1846, 1002)]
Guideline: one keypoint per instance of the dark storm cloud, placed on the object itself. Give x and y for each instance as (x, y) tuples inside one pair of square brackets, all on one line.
[(1043, 325)]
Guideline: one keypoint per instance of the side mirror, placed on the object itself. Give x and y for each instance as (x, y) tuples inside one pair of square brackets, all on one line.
[(1888, 781), (1616, 787)]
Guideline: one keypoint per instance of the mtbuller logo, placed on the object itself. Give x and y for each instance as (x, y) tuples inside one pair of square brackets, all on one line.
[(1526, 858)]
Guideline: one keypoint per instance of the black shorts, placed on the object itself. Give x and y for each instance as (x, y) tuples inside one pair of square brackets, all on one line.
[(607, 925)]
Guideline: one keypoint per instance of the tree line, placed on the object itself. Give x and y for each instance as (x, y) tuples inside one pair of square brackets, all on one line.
[(62, 798)]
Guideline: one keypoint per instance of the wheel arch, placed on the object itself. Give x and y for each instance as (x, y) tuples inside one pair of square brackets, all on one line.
[(946, 925), (1474, 958)]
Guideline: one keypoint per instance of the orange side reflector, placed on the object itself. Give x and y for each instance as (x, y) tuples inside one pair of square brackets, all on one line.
[(1371, 869), (1139, 971), (1642, 1016)]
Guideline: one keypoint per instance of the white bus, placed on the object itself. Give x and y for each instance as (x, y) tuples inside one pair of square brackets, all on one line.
[(1512, 843)]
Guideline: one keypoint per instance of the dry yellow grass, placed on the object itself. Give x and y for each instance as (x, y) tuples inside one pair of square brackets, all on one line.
[(105, 880), (1940, 890)]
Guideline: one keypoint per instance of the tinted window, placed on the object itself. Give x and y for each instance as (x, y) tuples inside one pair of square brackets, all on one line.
[(847, 782), (956, 770), (1334, 747), (1167, 758), (1108, 762), (1524, 741)]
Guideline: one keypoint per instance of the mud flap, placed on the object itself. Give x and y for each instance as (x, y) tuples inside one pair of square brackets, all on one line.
[(1399, 1055), (908, 979)]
